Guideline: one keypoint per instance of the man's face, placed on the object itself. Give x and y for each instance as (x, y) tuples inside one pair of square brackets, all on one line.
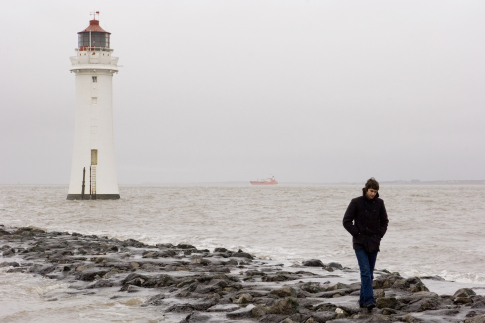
[(371, 193)]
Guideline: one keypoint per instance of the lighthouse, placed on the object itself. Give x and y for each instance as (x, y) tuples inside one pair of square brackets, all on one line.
[(93, 170)]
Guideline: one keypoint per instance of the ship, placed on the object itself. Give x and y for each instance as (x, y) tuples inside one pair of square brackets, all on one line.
[(268, 181)]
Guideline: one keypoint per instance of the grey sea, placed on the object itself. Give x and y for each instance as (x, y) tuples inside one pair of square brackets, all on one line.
[(433, 230)]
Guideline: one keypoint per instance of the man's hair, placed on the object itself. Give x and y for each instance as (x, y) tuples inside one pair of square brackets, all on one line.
[(372, 183)]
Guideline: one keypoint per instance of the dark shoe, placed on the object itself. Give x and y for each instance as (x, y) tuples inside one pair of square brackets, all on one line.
[(361, 305), (370, 306)]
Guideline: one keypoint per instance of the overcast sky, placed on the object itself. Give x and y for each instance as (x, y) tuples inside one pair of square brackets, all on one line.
[(308, 91)]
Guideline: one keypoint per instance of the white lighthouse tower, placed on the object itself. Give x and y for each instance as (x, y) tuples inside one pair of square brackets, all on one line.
[(93, 171)]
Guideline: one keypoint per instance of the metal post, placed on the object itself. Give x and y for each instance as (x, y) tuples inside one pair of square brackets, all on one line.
[(84, 175), (90, 192)]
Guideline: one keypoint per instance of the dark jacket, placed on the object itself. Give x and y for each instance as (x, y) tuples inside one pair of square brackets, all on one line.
[(366, 220)]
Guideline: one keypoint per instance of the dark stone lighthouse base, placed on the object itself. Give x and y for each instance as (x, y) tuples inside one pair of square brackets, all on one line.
[(93, 197)]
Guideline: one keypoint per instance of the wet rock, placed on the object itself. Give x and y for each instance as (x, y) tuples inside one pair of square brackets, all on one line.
[(272, 318), (388, 311), (464, 292), (476, 319), (322, 317), (478, 301), (196, 317), (378, 293), (419, 287), (243, 299), (278, 278), (241, 254), (284, 306), (462, 300), (156, 300), (244, 312), (17, 270), (185, 246), (223, 308), (9, 264), (102, 283), (313, 288), (9, 252), (435, 277), (259, 311), (150, 254), (411, 319), (387, 302), (313, 263), (338, 286), (91, 274), (329, 294), (284, 292), (195, 306)]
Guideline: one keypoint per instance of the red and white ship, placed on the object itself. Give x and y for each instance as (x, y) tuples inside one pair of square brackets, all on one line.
[(267, 181)]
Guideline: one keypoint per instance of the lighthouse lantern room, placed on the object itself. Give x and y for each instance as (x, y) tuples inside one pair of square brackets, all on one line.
[(93, 170)]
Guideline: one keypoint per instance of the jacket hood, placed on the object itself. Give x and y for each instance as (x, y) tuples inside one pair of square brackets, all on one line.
[(363, 194)]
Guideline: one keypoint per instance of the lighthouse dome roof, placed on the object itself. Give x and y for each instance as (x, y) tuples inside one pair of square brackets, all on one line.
[(94, 27)]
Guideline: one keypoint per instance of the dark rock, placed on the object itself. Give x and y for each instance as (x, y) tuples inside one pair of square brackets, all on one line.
[(278, 278), (462, 300), (164, 245), (388, 311), (102, 283), (196, 317), (284, 292), (411, 319), (429, 304), (476, 319), (435, 277), (242, 255), (387, 302), (220, 250), (4, 233), (335, 265), (243, 299), (284, 306), (156, 300), (272, 318), (255, 273), (9, 252), (312, 287), (91, 274), (259, 311), (17, 270), (322, 317), (8, 264), (240, 313), (419, 287), (337, 286), (313, 263), (464, 292), (185, 246)]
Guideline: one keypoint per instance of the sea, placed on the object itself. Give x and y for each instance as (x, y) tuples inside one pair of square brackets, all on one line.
[(433, 230)]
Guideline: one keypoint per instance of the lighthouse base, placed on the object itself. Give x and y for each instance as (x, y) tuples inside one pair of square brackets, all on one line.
[(93, 197)]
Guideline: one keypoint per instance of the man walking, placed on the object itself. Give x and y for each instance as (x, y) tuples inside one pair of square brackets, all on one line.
[(366, 220)]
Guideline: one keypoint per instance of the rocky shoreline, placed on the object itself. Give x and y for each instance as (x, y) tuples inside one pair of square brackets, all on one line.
[(187, 284)]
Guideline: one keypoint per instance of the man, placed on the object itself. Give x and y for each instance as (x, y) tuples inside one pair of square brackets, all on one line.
[(366, 220)]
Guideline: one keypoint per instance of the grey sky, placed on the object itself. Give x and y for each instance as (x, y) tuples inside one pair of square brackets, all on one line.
[(309, 91)]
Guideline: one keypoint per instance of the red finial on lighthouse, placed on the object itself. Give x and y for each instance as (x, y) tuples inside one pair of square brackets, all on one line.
[(94, 13)]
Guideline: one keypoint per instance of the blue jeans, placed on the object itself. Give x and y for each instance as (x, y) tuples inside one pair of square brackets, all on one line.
[(367, 262)]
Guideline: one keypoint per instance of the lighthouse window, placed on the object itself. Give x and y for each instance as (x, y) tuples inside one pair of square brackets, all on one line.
[(94, 100), (97, 39), (95, 79), (94, 156)]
